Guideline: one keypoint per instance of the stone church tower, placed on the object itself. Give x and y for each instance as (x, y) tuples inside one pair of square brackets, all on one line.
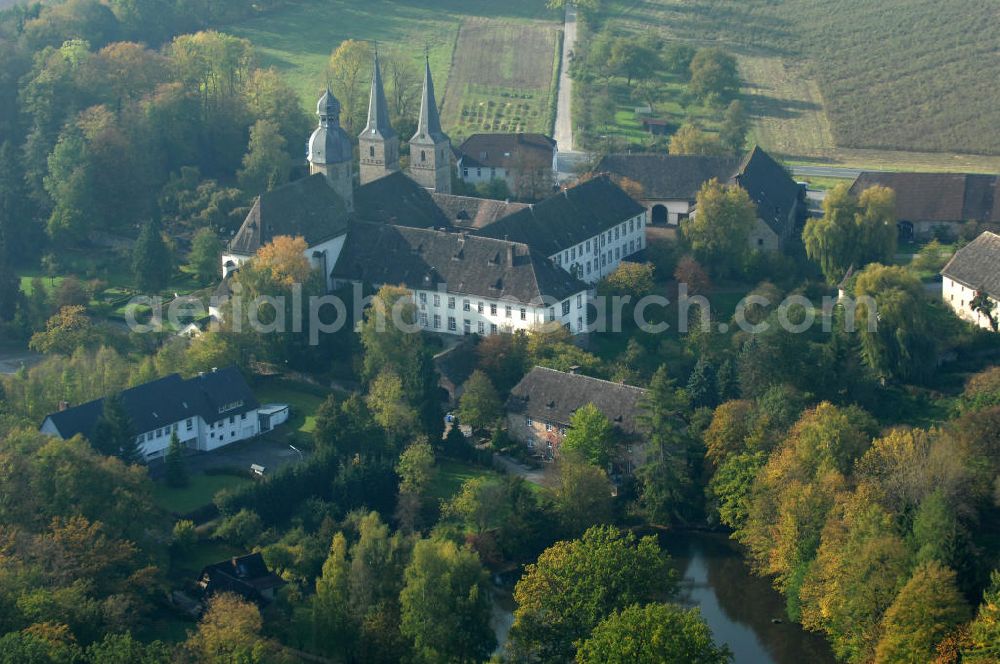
[(430, 148), (379, 144), (331, 151)]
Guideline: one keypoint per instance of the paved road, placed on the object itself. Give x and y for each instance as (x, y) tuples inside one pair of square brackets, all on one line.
[(568, 160), (11, 361), (826, 172), (564, 123)]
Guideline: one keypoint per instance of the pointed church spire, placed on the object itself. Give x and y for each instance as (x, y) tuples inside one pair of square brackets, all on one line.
[(378, 109), (429, 127)]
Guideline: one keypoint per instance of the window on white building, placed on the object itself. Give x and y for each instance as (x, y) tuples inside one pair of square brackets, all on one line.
[(437, 300), (493, 328), (482, 327), (467, 326), (451, 303), (479, 307), (190, 423), (452, 326), (579, 300), (423, 298), (466, 305), (524, 314), (507, 310), (423, 319), (565, 308), (437, 321), (493, 309)]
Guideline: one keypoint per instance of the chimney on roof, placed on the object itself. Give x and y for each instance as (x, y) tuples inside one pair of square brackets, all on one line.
[(510, 255), (63, 405), (214, 369), (574, 369)]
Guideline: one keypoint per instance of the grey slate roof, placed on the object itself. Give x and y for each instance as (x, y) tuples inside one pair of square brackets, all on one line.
[(553, 396), (164, 401), (938, 197), (518, 150), (397, 199), (770, 187), (378, 109), (246, 575), (977, 264), (679, 177), (469, 212), (308, 207), (429, 125), (568, 218), (668, 177), (428, 259)]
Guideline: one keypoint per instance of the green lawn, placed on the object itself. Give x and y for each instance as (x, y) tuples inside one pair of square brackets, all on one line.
[(305, 400), (198, 493), (299, 39), (450, 476)]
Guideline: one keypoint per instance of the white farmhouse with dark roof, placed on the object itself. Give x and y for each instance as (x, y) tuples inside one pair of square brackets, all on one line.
[(670, 185), (975, 268), (526, 162), (206, 412)]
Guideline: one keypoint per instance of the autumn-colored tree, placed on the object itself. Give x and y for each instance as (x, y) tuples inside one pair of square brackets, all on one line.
[(690, 140), (690, 272), (982, 390), (632, 279), (284, 259), (728, 431), (719, 233), (853, 231), (897, 336), (984, 632), (348, 74), (229, 631), (65, 332), (927, 608), (859, 569)]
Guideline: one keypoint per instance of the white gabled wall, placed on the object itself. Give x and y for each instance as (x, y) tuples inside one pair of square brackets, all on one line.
[(597, 257), (957, 296)]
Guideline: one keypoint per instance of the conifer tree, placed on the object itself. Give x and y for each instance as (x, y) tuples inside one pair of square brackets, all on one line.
[(151, 260), (176, 469)]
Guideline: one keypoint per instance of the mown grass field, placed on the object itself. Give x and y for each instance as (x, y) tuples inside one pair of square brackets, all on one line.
[(451, 475), (901, 83), (502, 78), (299, 39), (304, 400), (200, 491)]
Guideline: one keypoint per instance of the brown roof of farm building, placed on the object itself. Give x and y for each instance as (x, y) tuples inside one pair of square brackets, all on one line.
[(553, 396), (507, 151), (940, 197)]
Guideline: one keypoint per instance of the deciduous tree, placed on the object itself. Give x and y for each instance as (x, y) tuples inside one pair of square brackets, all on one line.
[(927, 608), (266, 164), (445, 604), (206, 255), (718, 234), (652, 634), (479, 406), (576, 584), (591, 437)]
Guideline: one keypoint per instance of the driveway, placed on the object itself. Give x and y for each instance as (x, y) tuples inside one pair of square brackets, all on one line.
[(514, 467), (270, 451), (12, 360), (567, 159)]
